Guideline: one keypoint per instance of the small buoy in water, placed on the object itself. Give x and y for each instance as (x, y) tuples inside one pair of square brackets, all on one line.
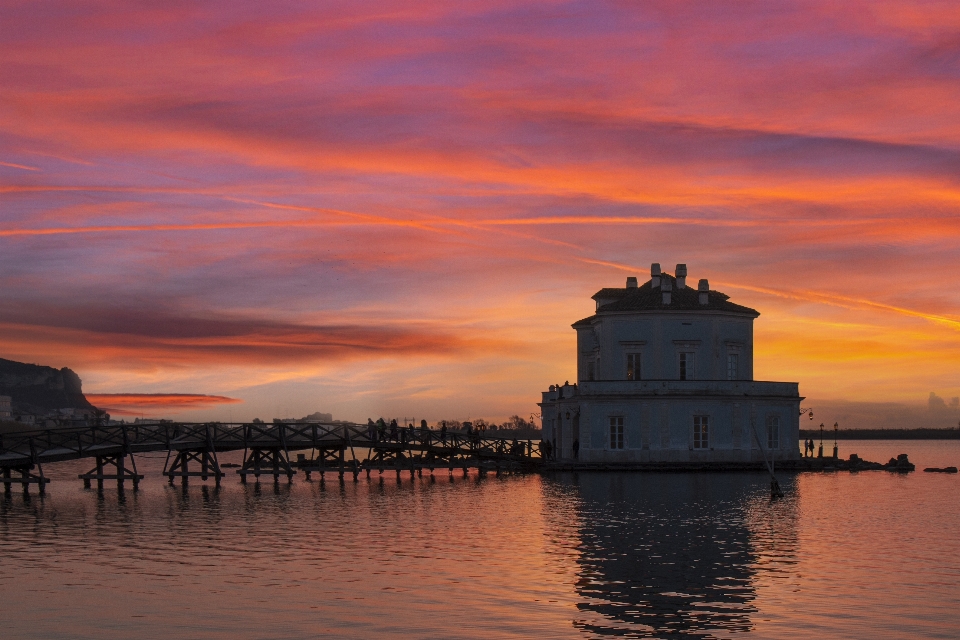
[(775, 491)]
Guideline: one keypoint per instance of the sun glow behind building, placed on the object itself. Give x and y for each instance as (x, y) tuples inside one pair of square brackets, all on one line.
[(375, 209)]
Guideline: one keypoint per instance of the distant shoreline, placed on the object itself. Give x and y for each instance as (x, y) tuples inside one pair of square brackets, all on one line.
[(882, 434)]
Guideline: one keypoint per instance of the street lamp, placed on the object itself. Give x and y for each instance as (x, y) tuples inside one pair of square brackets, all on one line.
[(820, 452), (836, 427)]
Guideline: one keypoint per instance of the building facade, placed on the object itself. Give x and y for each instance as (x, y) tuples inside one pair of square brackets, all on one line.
[(665, 374)]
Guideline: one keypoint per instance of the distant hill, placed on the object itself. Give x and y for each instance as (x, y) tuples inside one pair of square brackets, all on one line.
[(37, 389)]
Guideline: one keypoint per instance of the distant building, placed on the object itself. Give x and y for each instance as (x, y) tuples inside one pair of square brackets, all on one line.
[(665, 374), (6, 407)]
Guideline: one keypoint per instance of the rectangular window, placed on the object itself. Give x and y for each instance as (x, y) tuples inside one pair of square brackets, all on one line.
[(701, 432), (633, 366), (616, 432), (686, 366), (591, 371), (733, 366), (773, 432)]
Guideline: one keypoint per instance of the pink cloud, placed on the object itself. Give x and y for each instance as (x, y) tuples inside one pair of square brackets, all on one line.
[(355, 181)]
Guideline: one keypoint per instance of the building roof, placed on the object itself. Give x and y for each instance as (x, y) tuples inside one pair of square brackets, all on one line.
[(648, 298)]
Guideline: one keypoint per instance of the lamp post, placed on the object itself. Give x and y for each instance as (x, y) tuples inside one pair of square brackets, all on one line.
[(820, 451), (836, 427)]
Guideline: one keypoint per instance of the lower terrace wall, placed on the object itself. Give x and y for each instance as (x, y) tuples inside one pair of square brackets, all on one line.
[(658, 421)]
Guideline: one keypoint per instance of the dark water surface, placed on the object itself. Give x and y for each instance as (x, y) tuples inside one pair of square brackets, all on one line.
[(868, 555)]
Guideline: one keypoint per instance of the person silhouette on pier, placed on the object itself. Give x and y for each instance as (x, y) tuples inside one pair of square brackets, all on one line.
[(393, 430), (371, 430), (443, 432)]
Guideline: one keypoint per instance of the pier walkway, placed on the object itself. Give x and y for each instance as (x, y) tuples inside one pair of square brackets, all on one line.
[(192, 448)]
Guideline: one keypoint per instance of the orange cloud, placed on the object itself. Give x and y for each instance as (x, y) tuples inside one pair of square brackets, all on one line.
[(191, 190), (131, 404)]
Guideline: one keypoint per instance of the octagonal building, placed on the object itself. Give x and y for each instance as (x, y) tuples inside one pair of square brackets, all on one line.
[(665, 375)]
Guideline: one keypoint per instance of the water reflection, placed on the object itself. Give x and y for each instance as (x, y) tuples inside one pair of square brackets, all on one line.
[(667, 555)]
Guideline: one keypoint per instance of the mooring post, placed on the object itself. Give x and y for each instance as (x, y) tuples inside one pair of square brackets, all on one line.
[(36, 463), (203, 459), (122, 458)]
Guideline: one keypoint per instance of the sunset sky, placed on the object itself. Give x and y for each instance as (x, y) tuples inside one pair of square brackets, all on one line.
[(399, 208)]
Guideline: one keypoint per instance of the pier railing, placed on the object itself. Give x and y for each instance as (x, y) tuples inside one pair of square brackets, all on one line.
[(267, 449)]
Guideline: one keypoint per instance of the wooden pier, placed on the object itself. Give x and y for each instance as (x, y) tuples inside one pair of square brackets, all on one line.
[(192, 448)]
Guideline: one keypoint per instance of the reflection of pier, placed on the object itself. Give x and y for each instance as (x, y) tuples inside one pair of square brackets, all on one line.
[(192, 451)]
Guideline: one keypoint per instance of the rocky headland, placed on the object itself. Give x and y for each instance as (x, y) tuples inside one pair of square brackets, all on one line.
[(39, 390)]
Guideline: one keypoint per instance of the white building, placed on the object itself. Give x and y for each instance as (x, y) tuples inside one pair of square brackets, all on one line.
[(665, 374)]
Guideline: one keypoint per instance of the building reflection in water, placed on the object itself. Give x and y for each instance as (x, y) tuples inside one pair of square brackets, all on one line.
[(668, 555)]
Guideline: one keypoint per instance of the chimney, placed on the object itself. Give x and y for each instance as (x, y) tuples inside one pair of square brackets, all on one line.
[(704, 288), (681, 276), (655, 275), (632, 282), (666, 287)]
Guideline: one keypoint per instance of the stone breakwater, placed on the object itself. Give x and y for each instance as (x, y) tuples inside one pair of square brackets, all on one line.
[(900, 464)]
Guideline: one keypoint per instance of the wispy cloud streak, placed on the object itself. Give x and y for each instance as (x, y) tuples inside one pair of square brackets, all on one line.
[(213, 191)]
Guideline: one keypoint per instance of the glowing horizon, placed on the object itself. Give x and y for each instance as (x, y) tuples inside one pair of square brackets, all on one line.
[(372, 209)]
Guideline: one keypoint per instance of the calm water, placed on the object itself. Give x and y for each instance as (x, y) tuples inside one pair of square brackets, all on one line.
[(640, 555)]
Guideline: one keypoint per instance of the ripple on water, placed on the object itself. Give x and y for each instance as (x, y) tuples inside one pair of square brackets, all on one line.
[(595, 555)]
